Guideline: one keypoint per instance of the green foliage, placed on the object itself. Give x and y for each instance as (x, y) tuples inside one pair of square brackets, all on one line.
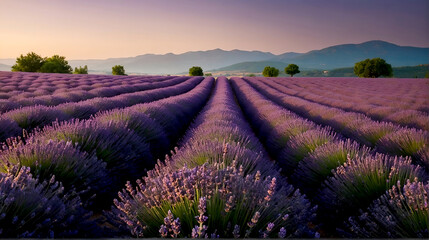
[(118, 70), (81, 70), (292, 69), (196, 71), (270, 72), (208, 74), (373, 68), (32, 62), (251, 75), (56, 64)]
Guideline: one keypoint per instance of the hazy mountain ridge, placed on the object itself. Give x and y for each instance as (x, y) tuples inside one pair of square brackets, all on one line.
[(347, 55), (175, 63), (339, 56), (4, 67)]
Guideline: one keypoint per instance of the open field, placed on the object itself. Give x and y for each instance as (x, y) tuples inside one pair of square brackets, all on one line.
[(216, 157)]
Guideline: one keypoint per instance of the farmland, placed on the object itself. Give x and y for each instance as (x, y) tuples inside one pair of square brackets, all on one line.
[(177, 156)]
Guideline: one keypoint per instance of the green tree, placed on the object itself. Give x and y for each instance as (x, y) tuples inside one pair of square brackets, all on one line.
[(270, 72), (118, 70), (196, 71), (373, 68), (28, 63), (56, 64), (292, 69), (81, 70)]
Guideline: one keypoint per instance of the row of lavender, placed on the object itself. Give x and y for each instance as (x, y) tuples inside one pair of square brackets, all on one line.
[(359, 192), (13, 123), (379, 92), (35, 84), (52, 179), (219, 183), (82, 92), (383, 136), (404, 107)]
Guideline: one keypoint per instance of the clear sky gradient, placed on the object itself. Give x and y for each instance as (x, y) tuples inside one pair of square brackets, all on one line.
[(86, 29)]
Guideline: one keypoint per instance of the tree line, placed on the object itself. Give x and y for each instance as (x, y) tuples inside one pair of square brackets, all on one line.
[(32, 62), (368, 68)]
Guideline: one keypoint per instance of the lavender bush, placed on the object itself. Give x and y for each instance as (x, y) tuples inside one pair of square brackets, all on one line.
[(8, 128), (402, 212), (405, 142), (74, 169), (37, 116), (30, 208), (145, 127), (319, 164), (211, 201), (301, 145), (124, 152), (363, 179), (367, 131)]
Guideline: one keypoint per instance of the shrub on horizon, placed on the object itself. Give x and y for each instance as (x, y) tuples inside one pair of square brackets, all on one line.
[(31, 62), (196, 71), (56, 64), (81, 70), (292, 69), (270, 72), (118, 70), (373, 68)]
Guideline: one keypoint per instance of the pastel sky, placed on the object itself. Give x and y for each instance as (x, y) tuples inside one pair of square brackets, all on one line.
[(85, 29)]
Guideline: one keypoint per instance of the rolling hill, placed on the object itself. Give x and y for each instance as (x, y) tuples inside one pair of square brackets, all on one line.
[(347, 55), (4, 67), (339, 56), (175, 63)]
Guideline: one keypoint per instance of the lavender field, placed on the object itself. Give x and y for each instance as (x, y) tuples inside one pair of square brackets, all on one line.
[(86, 156)]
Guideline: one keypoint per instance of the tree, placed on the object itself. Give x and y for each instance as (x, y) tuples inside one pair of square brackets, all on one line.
[(292, 69), (56, 64), (373, 68), (118, 70), (270, 72), (81, 70), (29, 63), (196, 71)]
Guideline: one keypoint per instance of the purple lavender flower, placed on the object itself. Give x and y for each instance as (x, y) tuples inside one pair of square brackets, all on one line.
[(8, 128), (405, 142), (165, 186), (236, 231), (301, 145), (318, 165), (402, 212), (76, 170), (282, 233), (31, 208), (361, 180)]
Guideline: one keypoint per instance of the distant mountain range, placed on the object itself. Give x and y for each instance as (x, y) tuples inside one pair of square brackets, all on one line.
[(338, 56)]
